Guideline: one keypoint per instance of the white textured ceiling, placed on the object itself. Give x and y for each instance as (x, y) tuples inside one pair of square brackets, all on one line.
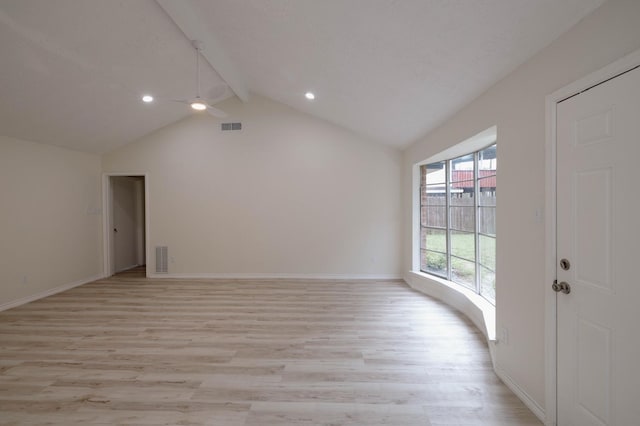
[(73, 70)]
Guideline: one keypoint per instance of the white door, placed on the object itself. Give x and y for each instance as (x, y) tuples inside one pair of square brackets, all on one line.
[(598, 233)]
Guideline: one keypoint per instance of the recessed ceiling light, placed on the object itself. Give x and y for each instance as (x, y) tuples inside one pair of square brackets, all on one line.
[(310, 96), (198, 106), (147, 98)]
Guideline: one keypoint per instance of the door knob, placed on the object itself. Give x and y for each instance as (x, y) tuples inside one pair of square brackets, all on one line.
[(561, 287)]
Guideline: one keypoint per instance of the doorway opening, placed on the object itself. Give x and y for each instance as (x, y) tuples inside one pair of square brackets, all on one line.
[(125, 224)]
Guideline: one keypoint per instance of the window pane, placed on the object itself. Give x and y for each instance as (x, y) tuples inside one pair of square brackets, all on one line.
[(435, 216), (487, 219), (463, 244), (487, 162), (462, 168), (435, 195), (435, 239), (462, 218), (462, 198), (433, 173), (463, 272), (487, 198), (488, 284), (423, 258), (434, 263), (463, 188), (488, 252), (487, 191)]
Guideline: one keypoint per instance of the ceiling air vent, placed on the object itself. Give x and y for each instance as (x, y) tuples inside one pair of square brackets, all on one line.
[(162, 260), (231, 126)]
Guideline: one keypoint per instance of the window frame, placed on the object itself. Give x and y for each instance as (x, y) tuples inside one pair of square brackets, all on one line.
[(423, 228)]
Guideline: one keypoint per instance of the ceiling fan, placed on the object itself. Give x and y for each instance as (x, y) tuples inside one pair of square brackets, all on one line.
[(198, 103)]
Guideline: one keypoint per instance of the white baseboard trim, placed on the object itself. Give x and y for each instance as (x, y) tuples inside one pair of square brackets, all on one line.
[(492, 352), (126, 268), (46, 293), (260, 276), (520, 393)]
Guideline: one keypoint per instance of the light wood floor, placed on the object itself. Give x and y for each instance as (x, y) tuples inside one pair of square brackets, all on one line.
[(128, 350)]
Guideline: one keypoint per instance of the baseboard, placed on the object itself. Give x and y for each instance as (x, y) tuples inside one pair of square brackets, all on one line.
[(135, 265), (520, 393), (46, 293), (261, 276)]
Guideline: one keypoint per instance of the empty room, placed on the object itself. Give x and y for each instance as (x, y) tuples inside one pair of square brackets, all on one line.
[(276, 212)]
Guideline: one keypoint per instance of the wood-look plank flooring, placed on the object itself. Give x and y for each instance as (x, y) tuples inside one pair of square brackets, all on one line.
[(130, 350)]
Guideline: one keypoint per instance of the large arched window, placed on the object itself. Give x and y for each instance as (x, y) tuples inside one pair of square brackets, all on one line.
[(458, 220)]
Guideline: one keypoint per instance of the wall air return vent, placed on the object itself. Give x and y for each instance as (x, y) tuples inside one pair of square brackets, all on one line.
[(162, 257), (230, 126)]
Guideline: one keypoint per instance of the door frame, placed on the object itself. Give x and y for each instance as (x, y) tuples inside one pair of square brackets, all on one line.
[(602, 75), (107, 240)]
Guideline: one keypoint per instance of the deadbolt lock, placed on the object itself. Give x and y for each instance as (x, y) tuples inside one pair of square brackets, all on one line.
[(565, 264)]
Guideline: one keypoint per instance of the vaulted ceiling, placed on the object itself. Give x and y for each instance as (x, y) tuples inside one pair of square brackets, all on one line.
[(73, 71)]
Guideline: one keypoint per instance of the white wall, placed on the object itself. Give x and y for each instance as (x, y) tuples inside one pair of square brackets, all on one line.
[(517, 106), (50, 219), (287, 195)]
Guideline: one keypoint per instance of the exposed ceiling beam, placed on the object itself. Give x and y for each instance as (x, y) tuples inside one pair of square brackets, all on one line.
[(185, 17)]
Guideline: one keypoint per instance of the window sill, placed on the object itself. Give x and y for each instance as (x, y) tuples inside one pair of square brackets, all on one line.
[(481, 312)]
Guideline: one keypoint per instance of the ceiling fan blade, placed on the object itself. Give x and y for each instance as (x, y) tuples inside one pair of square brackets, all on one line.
[(216, 112), (198, 103)]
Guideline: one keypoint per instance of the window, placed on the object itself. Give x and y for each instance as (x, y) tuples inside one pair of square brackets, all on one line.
[(458, 220)]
